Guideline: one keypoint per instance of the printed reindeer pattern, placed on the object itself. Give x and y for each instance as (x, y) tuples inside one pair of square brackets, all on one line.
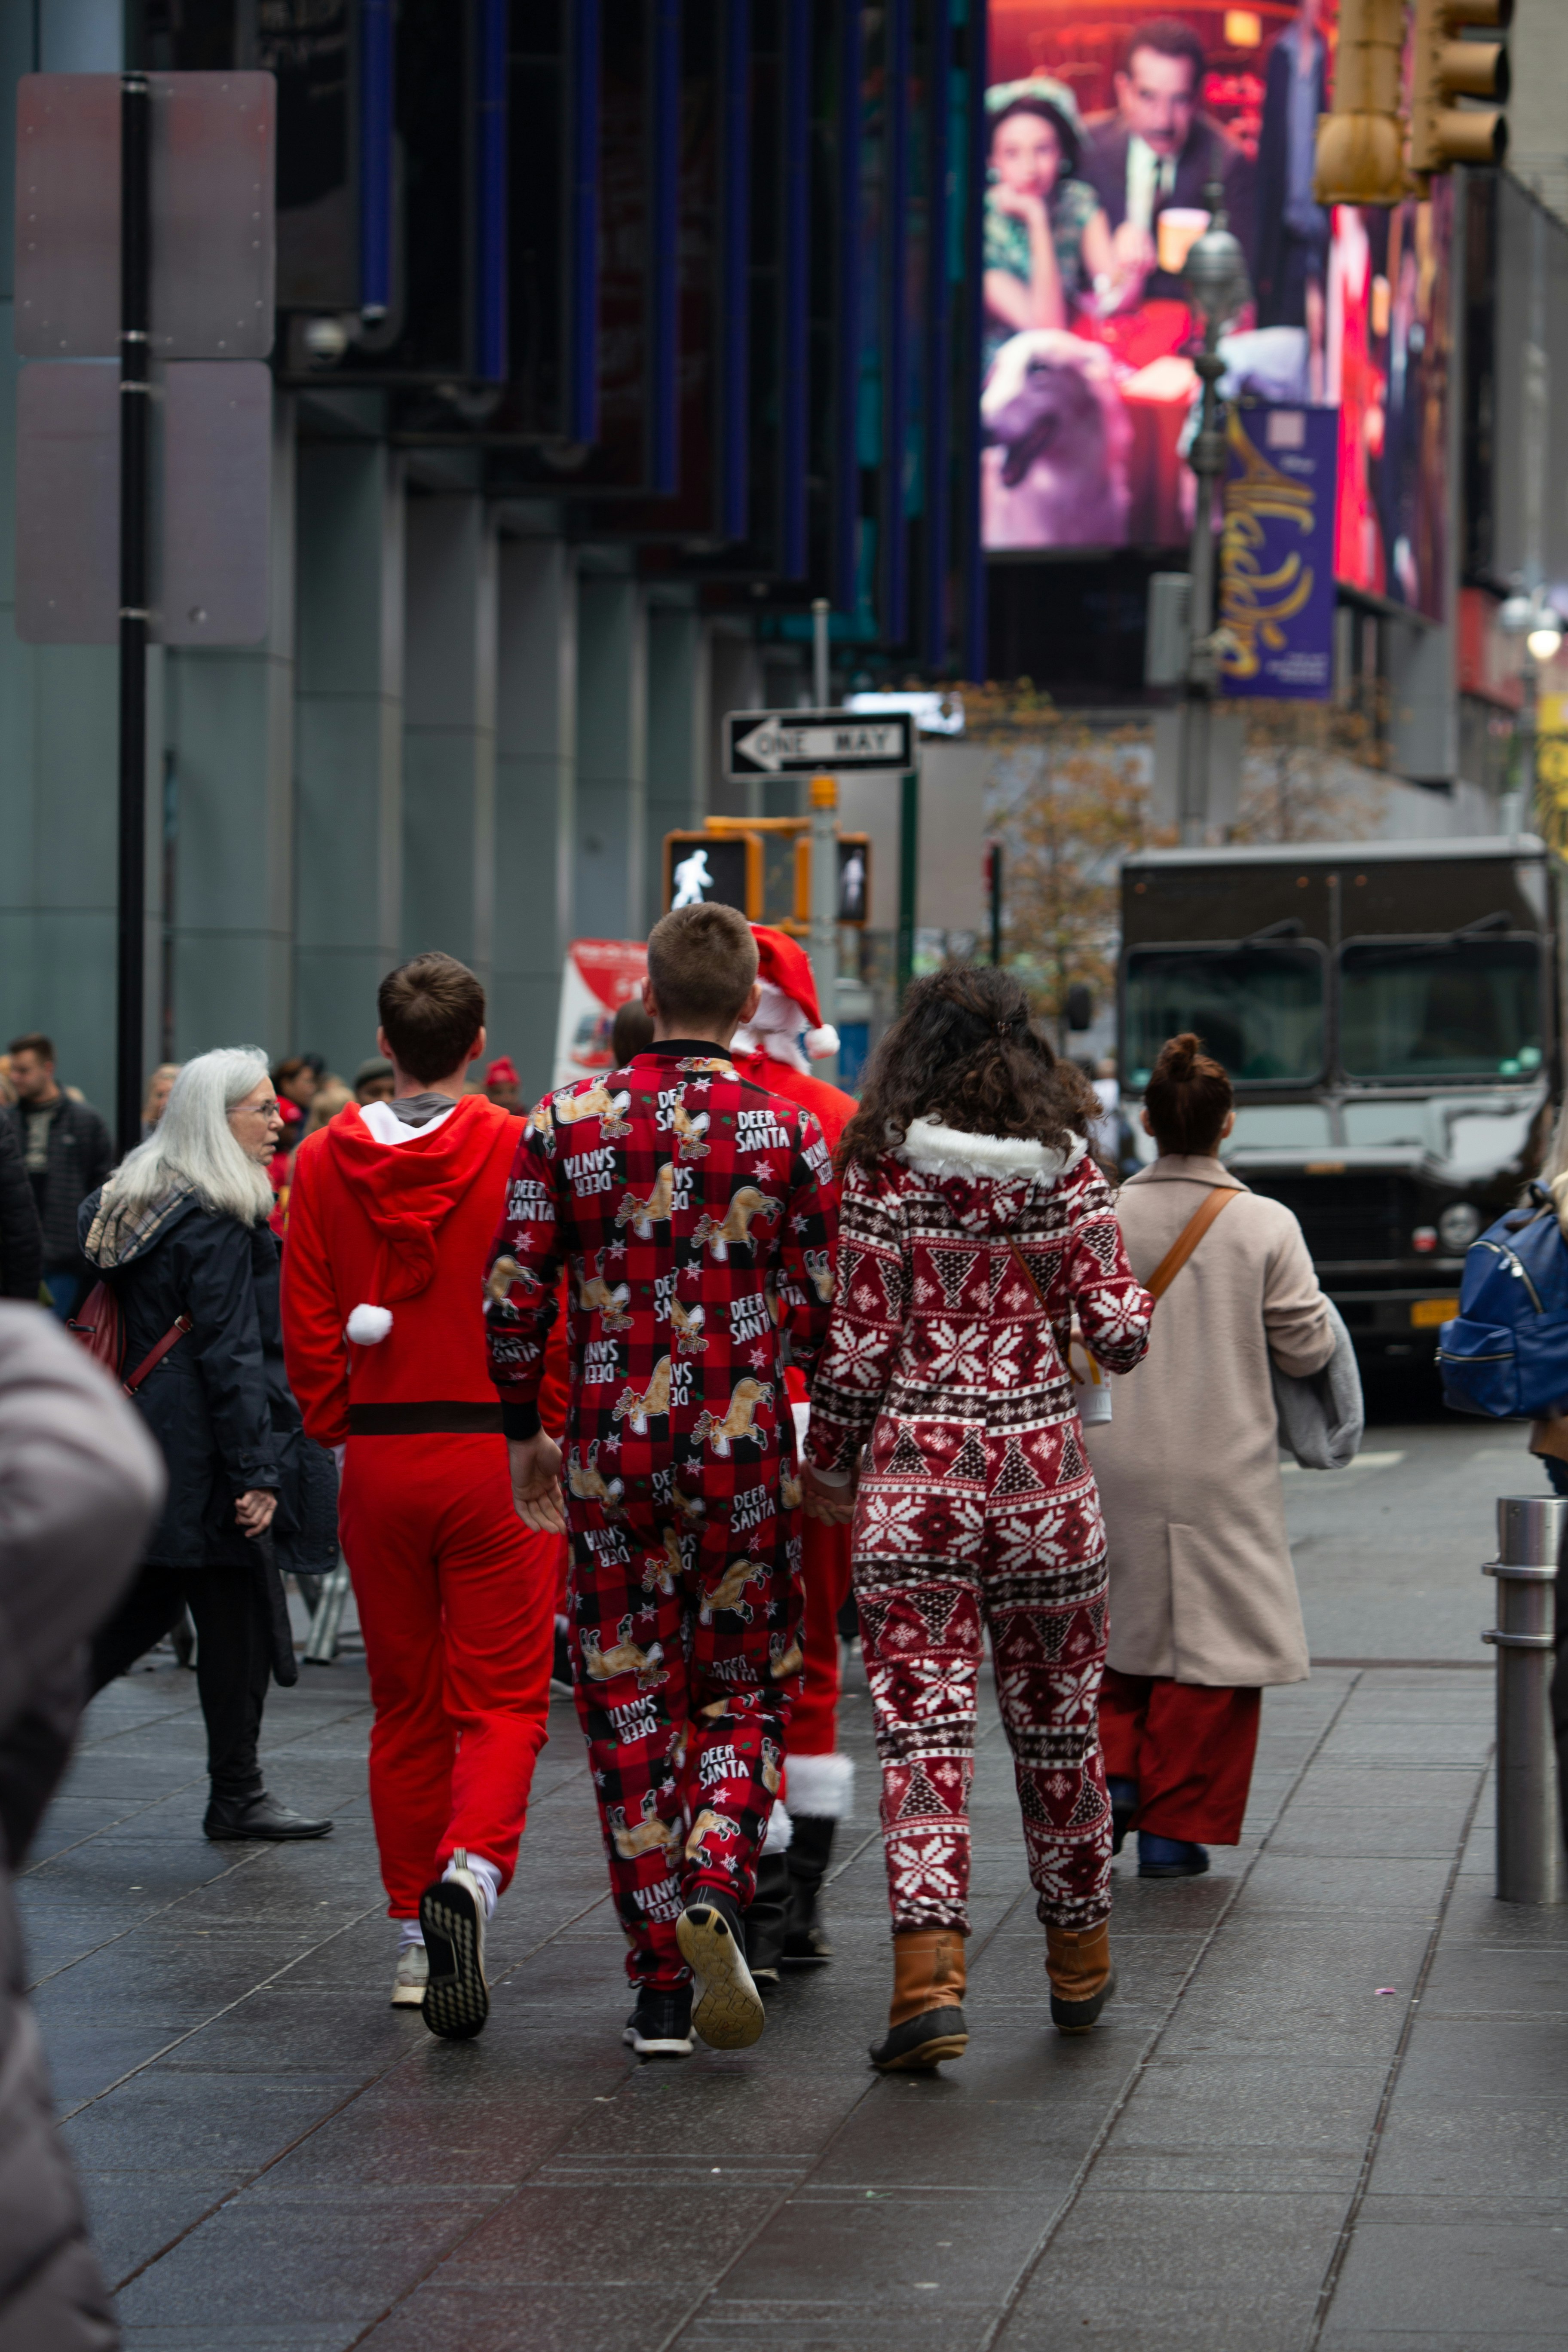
[(696, 1216)]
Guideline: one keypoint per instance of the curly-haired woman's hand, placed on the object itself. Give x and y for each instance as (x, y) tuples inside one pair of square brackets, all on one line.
[(835, 1505)]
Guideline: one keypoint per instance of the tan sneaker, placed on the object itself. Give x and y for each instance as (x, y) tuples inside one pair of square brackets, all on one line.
[(412, 1976)]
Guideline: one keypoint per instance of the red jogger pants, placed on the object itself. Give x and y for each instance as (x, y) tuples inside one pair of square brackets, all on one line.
[(1188, 1747), (457, 1602)]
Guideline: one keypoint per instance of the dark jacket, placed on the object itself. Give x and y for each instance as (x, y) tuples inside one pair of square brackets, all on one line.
[(21, 1243), (1283, 259), (80, 1157), (1210, 153), (78, 1484), (219, 1403)]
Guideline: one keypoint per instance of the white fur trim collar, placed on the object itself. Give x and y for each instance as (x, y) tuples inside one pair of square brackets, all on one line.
[(933, 1148)]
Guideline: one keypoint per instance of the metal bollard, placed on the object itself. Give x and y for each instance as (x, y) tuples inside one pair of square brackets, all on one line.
[(1530, 1854)]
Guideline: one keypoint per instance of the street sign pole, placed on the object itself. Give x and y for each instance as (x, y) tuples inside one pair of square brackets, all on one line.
[(825, 908), (135, 402)]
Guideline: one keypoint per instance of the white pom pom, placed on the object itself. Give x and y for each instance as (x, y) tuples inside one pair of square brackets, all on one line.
[(368, 1326), (822, 1041)]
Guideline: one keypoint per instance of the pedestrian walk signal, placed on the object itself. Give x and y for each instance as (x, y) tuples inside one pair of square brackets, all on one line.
[(854, 879), (1445, 67), (714, 869)]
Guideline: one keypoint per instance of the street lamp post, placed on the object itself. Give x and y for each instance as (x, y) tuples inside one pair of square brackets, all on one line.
[(1214, 273)]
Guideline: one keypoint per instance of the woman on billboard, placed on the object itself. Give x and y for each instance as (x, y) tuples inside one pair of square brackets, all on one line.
[(1047, 242)]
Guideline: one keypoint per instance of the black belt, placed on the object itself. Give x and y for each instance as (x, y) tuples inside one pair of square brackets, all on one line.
[(438, 1419)]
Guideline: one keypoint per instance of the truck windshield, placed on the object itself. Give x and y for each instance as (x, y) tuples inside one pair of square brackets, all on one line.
[(1441, 1009), (1259, 1009)]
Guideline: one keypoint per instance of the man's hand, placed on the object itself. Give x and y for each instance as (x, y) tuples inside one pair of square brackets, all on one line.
[(835, 1505), (535, 1465), (253, 1510)]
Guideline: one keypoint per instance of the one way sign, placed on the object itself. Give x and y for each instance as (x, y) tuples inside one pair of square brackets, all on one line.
[(798, 742)]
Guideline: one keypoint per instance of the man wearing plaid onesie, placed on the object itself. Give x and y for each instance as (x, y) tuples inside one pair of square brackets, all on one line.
[(695, 1215)]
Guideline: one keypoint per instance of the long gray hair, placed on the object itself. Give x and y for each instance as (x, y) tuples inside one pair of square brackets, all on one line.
[(194, 1143)]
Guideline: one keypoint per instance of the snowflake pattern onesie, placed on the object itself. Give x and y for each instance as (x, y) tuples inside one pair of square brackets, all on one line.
[(978, 1506)]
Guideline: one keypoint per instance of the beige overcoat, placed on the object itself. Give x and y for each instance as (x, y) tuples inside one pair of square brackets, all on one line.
[(1202, 1588)]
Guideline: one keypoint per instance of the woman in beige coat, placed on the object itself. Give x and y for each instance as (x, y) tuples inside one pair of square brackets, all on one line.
[(1203, 1606)]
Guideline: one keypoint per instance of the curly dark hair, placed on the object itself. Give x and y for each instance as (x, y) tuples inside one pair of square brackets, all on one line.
[(963, 1051)]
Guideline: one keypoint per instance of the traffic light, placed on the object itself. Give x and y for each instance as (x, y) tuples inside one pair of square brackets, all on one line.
[(1361, 140), (1444, 68)]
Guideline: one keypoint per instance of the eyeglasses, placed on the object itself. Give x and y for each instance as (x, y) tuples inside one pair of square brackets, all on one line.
[(261, 1109)]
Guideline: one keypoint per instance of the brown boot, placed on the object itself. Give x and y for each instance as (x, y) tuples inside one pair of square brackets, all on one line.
[(1077, 1962), (925, 2020)]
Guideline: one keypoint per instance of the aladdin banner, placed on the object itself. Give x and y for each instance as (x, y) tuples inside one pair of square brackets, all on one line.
[(1277, 552)]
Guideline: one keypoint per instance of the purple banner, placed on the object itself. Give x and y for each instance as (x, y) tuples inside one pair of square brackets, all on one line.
[(1277, 552)]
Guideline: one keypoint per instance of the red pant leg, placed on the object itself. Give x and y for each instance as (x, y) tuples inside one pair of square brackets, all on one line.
[(1194, 1762), (455, 1602), (813, 1724), (1123, 1710)]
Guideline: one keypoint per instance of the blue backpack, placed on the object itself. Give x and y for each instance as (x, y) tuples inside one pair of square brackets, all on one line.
[(1506, 1352)]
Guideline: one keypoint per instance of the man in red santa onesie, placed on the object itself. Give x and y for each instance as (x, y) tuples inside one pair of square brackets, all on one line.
[(390, 1217), (773, 1051)]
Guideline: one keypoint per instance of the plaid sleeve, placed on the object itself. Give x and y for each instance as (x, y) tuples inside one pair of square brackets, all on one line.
[(868, 1311), (1113, 1307), (522, 1277), (809, 1232)]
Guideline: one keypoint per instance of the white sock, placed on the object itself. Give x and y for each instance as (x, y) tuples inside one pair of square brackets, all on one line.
[(488, 1876), (408, 1932)]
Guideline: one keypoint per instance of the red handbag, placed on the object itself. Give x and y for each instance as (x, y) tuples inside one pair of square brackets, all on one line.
[(100, 1327)]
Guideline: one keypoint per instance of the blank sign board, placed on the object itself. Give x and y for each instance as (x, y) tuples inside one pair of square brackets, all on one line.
[(212, 145), (212, 441)]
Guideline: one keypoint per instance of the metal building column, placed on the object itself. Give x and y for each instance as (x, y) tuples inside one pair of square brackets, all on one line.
[(612, 757), (536, 781), (449, 728)]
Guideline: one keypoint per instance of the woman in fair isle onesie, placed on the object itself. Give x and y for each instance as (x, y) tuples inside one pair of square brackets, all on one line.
[(974, 1229)]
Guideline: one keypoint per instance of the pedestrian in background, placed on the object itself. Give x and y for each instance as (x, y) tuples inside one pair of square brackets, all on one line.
[(503, 1086), (180, 1233), (373, 1080), (21, 1235), (331, 1097), (1204, 1605), (79, 1487), (156, 1099), (975, 1226), (65, 1147), (631, 1032)]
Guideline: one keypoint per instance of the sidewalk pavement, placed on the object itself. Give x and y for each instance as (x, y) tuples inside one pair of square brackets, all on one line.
[(1328, 2106)]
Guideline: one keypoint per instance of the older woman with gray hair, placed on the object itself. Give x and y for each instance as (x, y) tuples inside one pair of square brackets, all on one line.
[(180, 1235)]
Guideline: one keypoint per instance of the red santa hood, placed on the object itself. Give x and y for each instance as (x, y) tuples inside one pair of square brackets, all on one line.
[(409, 1190), (788, 1004)]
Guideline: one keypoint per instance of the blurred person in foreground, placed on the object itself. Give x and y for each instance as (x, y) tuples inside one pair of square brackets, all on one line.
[(373, 1080), (390, 1219), (975, 1227), (180, 1235), (1204, 1605), (155, 1101), (689, 1207), (774, 1050), (79, 1483), (68, 1153)]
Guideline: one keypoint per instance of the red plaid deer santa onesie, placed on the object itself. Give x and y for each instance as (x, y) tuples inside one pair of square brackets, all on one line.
[(389, 1230), (773, 1051), (691, 1209)]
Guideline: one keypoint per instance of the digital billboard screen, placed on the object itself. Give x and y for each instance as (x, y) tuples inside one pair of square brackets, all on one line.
[(1105, 126)]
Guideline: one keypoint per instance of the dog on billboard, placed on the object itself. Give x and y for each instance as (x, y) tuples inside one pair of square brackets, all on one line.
[(1055, 471)]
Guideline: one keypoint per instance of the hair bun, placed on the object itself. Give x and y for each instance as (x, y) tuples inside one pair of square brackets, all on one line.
[(1180, 1058)]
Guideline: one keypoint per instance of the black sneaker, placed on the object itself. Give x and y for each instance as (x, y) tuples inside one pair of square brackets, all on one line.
[(728, 2011), (660, 2024), (452, 1921)]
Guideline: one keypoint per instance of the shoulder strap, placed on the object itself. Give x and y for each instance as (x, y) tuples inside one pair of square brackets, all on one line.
[(154, 1356), (1189, 1237), (1024, 1270)]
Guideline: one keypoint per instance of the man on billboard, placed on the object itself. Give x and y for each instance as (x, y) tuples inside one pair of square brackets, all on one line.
[(1291, 261), (1153, 158)]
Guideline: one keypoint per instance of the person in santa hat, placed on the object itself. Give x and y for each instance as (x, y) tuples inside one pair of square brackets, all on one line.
[(390, 1217), (774, 1050), (503, 1086)]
